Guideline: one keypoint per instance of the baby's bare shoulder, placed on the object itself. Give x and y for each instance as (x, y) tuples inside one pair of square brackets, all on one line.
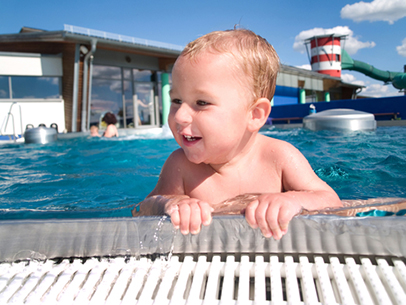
[(274, 146), (179, 162), (177, 159)]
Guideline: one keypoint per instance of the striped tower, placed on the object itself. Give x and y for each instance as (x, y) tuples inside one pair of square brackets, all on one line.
[(325, 54)]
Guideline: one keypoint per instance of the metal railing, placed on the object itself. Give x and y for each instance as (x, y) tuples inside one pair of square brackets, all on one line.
[(122, 38), (5, 122)]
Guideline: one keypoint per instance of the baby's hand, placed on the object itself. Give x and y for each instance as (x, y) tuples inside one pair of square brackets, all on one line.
[(271, 213), (188, 214)]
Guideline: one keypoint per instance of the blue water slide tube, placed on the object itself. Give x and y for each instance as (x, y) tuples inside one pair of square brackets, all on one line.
[(397, 79)]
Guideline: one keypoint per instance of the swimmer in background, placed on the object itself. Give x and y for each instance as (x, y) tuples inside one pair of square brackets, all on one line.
[(94, 131), (111, 121), (222, 84)]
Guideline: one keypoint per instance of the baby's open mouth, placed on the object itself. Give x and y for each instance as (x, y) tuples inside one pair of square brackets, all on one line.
[(191, 139)]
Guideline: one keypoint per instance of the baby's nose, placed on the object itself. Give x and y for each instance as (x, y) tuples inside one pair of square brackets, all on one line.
[(183, 115)]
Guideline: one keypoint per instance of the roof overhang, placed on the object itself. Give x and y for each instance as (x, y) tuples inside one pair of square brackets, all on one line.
[(67, 37)]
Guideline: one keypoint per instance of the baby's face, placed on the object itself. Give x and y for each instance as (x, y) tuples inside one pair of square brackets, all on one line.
[(209, 108)]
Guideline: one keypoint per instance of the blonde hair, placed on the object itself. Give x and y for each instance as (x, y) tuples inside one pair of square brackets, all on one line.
[(253, 54)]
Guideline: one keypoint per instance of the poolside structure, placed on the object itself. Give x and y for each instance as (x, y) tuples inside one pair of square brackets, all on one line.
[(73, 76), (321, 260), (328, 57), (340, 119)]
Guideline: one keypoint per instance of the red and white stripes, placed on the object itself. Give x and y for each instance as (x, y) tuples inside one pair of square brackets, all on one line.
[(326, 54)]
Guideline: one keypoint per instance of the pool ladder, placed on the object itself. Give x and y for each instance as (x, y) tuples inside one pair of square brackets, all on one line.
[(5, 123)]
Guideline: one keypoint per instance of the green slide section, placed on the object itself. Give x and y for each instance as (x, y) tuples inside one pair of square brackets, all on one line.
[(397, 79)]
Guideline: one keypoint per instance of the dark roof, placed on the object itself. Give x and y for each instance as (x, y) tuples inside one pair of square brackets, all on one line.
[(72, 34)]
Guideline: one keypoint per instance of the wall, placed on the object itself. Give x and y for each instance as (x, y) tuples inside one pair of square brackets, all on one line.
[(33, 112), (371, 105), (25, 64)]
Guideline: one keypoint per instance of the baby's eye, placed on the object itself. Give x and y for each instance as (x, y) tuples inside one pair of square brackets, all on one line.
[(176, 101), (202, 103)]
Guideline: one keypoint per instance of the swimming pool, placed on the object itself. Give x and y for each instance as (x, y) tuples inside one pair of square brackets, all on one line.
[(89, 177)]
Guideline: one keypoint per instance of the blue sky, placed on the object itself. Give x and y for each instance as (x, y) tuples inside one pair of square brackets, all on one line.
[(376, 29)]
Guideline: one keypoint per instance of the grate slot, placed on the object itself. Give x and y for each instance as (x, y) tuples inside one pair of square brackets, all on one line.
[(37, 296), (199, 281), (183, 284), (244, 280), (307, 283), (400, 272), (168, 281), (136, 281), (391, 283), (374, 281)]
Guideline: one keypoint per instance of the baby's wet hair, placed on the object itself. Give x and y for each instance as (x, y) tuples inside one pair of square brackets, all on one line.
[(254, 56)]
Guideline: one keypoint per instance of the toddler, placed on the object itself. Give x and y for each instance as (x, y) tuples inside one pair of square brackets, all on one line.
[(222, 84)]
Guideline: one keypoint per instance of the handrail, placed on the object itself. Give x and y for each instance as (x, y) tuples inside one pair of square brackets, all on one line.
[(3, 130)]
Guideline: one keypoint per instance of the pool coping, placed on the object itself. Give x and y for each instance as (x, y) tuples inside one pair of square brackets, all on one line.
[(135, 236)]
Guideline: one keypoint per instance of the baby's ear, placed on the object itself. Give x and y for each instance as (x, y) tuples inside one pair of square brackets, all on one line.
[(259, 113)]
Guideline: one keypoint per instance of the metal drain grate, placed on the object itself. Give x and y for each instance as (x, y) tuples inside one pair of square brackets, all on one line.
[(231, 279)]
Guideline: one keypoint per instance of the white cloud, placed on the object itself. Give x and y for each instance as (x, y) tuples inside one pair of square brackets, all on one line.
[(375, 90), (377, 10), (306, 67), (351, 43), (348, 78), (371, 89), (402, 49)]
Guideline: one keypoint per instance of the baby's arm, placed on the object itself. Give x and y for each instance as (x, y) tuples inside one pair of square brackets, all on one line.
[(302, 189), (168, 197)]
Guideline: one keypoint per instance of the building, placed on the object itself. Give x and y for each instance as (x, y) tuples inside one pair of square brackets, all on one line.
[(74, 76), (300, 86)]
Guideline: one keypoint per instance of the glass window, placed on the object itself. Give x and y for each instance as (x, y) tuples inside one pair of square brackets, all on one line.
[(4, 88), (106, 72), (129, 104), (128, 93), (106, 97), (142, 75), (127, 74), (35, 87), (145, 103)]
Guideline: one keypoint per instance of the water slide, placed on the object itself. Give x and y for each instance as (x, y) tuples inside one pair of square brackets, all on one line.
[(397, 79)]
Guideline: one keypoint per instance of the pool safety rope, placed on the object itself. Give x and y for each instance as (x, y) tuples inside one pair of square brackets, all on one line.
[(206, 279)]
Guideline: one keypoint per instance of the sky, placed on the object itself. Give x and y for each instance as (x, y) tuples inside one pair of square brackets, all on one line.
[(376, 29)]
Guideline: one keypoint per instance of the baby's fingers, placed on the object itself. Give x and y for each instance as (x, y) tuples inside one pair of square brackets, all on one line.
[(272, 220), (195, 218), (206, 211), (175, 218), (184, 218), (250, 214), (286, 214)]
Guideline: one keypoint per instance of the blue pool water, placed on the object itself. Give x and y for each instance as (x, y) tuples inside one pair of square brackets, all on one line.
[(93, 177)]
